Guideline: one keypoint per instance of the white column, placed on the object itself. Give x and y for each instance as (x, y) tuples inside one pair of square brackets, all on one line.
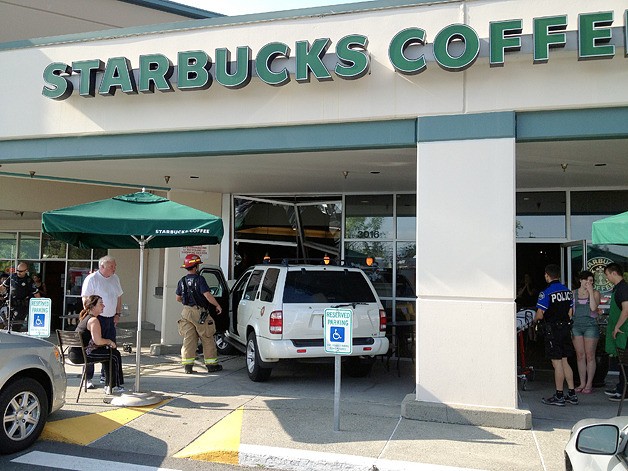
[(466, 343)]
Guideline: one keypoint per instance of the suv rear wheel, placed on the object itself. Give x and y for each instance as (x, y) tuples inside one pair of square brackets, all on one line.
[(256, 372), (24, 410)]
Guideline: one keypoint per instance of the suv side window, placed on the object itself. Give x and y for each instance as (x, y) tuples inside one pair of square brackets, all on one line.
[(251, 288), (215, 286), (269, 284)]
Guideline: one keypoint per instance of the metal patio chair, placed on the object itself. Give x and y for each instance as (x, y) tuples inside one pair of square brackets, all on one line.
[(69, 339)]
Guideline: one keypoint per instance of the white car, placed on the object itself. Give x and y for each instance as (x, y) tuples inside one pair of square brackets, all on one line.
[(277, 312), (598, 444), (32, 386)]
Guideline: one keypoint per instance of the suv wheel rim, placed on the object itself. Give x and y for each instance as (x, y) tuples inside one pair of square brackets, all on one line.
[(21, 416), (250, 356)]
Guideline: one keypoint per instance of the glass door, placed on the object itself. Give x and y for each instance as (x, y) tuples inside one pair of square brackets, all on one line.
[(573, 259)]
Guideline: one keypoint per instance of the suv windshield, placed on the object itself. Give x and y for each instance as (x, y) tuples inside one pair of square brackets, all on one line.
[(318, 286)]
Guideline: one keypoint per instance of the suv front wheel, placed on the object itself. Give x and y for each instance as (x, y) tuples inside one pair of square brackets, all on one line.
[(254, 367)]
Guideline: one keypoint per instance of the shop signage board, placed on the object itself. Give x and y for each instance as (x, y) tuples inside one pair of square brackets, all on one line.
[(39, 314), (454, 48)]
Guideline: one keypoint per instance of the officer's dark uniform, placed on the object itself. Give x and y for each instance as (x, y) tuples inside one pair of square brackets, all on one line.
[(21, 290), (555, 301)]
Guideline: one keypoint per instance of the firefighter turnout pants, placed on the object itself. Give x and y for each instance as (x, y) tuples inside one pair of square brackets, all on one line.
[(191, 330)]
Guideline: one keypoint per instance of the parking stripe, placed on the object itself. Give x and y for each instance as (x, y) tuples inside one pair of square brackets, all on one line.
[(78, 463), (88, 428), (220, 443)]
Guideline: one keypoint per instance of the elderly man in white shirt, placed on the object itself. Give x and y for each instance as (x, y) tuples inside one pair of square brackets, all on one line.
[(105, 283)]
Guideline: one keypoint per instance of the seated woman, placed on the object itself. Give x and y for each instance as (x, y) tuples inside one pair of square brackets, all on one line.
[(96, 349)]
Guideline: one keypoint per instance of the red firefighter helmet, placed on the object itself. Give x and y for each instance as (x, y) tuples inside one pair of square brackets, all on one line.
[(191, 260)]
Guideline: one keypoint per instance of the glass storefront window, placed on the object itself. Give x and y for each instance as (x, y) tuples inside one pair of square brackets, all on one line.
[(29, 245), (259, 220), (8, 245), (321, 227), (99, 253), (406, 270), (541, 215), (52, 248), (381, 272), (369, 217), (406, 217), (77, 271), (589, 206), (74, 253)]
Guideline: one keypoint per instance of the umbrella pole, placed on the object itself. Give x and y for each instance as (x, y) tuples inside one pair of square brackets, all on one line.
[(138, 349), (137, 398)]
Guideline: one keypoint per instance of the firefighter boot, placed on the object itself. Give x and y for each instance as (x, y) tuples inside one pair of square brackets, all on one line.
[(188, 369)]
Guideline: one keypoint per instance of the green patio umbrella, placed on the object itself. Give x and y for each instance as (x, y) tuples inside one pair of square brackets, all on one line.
[(611, 230), (137, 220)]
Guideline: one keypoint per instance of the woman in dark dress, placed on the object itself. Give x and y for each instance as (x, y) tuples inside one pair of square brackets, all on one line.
[(97, 346)]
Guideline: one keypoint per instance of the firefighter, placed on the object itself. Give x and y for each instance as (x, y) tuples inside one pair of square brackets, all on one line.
[(193, 292)]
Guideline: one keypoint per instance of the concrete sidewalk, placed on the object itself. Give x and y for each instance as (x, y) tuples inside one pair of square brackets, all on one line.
[(288, 422)]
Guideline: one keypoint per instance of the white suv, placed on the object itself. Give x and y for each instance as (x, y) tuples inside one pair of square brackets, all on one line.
[(277, 312)]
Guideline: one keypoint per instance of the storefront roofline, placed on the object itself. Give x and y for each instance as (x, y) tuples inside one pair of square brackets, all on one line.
[(276, 139), (567, 125), (216, 21)]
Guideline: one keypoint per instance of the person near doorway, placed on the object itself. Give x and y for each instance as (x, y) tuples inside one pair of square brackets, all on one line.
[(527, 294), (41, 286), (193, 292), (105, 283), (617, 329), (21, 289), (585, 330), (555, 307)]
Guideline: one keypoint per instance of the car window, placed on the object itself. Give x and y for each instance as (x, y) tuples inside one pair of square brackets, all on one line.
[(215, 286), (269, 285), (251, 287), (318, 286), (238, 289)]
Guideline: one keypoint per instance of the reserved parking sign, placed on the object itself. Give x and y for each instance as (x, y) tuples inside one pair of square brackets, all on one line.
[(338, 331), (39, 312)]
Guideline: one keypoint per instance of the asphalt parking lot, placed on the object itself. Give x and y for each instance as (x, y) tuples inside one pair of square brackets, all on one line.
[(288, 422)]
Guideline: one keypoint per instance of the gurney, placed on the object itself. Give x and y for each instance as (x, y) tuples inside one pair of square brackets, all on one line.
[(525, 373)]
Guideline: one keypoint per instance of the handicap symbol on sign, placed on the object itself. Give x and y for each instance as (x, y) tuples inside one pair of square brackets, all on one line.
[(39, 320), (337, 334)]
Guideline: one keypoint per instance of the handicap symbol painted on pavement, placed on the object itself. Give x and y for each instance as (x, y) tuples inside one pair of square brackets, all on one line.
[(39, 320), (337, 334)]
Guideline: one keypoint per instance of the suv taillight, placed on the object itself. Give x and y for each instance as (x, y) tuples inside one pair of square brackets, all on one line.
[(382, 320), (276, 322)]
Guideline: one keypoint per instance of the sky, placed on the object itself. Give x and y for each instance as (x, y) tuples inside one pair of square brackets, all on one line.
[(243, 7)]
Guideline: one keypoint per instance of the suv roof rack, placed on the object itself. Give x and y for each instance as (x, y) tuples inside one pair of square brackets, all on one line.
[(286, 262)]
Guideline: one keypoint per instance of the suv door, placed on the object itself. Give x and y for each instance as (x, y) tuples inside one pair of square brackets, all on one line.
[(248, 305), (237, 292), (220, 290)]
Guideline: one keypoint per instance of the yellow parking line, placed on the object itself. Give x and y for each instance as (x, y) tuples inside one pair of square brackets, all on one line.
[(88, 428), (219, 444)]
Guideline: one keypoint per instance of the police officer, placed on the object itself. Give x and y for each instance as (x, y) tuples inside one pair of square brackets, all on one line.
[(555, 307), (21, 289), (193, 292)]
